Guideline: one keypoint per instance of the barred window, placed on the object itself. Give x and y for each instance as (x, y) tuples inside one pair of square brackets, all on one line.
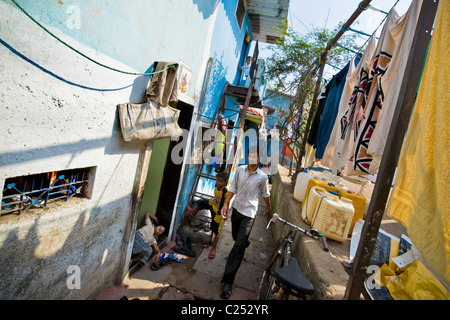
[(35, 191)]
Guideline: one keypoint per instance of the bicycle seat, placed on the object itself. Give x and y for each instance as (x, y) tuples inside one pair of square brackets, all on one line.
[(292, 275)]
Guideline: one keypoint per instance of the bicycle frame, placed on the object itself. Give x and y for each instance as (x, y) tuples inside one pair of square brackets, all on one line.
[(278, 259)]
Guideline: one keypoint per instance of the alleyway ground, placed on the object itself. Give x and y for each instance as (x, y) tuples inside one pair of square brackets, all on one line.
[(199, 277)]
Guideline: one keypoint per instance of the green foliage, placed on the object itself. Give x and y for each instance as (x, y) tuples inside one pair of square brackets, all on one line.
[(293, 67)]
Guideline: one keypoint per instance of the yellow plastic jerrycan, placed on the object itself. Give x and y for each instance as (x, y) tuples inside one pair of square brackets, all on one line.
[(314, 196), (322, 184), (333, 216), (359, 204)]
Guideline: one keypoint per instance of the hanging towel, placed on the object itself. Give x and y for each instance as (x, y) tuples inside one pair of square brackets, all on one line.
[(420, 197), (388, 70), (338, 153), (368, 114), (164, 85), (392, 80)]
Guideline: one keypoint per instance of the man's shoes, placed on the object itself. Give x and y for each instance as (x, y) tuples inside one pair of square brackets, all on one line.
[(226, 291)]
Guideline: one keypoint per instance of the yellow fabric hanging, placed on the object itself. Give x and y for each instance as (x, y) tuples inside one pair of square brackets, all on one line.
[(421, 195)]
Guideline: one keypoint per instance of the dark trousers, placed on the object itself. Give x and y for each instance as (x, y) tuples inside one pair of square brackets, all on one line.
[(241, 226)]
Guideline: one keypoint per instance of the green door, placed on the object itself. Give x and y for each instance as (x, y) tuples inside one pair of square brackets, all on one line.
[(154, 178)]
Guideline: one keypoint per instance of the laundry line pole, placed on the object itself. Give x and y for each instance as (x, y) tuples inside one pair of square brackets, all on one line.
[(389, 161), (363, 5)]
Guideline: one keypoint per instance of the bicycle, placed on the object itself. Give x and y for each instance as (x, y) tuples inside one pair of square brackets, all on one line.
[(282, 276)]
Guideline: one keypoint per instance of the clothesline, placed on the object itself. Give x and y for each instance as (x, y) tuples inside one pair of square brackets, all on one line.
[(84, 55)]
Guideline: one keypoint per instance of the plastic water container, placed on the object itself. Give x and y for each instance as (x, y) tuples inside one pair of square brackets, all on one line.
[(322, 184), (333, 217), (313, 198), (359, 204), (301, 184)]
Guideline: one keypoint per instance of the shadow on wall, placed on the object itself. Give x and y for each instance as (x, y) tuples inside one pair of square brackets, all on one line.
[(139, 89), (206, 7), (49, 263), (74, 250)]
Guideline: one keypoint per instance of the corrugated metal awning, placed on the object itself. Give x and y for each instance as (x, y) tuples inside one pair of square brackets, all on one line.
[(264, 16)]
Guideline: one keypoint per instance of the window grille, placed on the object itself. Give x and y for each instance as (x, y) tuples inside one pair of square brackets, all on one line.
[(36, 191)]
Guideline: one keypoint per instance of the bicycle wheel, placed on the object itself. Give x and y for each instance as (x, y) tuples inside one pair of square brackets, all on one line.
[(268, 279)]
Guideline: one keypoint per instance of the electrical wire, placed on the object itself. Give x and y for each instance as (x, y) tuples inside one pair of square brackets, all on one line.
[(82, 54)]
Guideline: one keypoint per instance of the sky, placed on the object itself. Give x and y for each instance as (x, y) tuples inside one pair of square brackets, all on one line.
[(307, 14)]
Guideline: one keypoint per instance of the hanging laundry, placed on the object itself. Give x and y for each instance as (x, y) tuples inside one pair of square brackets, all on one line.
[(338, 153), (331, 108), (153, 119), (392, 80), (420, 197), (388, 72), (314, 130)]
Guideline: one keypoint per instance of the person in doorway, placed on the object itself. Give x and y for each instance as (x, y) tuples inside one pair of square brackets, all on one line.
[(145, 241), (246, 68), (248, 184), (214, 205)]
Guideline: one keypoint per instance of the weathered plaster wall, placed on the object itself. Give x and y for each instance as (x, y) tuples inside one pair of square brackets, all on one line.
[(136, 33), (58, 111)]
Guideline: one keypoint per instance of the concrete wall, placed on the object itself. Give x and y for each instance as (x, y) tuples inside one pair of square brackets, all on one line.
[(58, 111), (323, 269)]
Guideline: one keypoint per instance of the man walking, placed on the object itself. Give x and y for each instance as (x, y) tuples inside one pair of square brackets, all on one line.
[(249, 182)]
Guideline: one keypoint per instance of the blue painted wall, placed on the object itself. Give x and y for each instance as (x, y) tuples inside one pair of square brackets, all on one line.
[(138, 33), (226, 50)]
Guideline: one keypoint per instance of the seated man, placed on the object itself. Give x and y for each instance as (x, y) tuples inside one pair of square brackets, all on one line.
[(145, 241)]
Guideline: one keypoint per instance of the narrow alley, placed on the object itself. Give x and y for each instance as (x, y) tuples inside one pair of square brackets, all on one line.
[(116, 117), (199, 277)]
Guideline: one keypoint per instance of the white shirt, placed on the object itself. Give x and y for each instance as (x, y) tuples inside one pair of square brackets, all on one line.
[(148, 231), (247, 188), (246, 71)]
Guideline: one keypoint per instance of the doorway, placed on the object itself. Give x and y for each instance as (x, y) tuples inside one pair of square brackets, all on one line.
[(163, 175)]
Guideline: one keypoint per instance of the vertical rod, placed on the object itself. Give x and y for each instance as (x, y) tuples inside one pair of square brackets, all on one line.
[(363, 5), (322, 60), (403, 109)]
